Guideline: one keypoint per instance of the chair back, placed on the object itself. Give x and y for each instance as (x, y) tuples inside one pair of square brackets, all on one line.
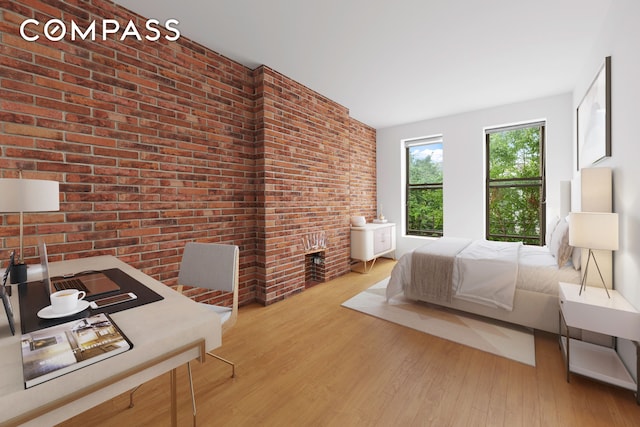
[(212, 266)]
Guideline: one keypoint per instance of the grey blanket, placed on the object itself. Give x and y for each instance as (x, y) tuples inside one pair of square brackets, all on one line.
[(432, 268)]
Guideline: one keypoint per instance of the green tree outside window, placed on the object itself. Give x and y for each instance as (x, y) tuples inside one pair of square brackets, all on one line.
[(424, 188), (515, 184)]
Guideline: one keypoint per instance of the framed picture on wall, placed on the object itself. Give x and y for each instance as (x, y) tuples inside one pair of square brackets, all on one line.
[(594, 119)]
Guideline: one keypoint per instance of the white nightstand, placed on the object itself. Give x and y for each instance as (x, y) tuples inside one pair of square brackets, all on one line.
[(594, 311)]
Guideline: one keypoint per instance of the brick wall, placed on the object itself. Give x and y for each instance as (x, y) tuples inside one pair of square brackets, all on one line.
[(304, 175), (363, 171), (159, 143)]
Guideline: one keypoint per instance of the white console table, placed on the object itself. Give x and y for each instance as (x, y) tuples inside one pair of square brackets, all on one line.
[(165, 335), (372, 241)]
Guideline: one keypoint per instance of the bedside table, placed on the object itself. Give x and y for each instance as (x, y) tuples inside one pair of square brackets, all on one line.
[(594, 311)]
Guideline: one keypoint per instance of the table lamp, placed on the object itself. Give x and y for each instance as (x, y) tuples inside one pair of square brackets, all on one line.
[(593, 231), (27, 195)]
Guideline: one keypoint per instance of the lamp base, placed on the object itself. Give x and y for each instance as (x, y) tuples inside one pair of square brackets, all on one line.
[(583, 285), (19, 273)]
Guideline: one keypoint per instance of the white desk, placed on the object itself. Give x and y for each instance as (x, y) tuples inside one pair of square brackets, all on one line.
[(165, 335)]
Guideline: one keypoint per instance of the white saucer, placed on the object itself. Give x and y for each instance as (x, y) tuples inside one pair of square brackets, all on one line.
[(48, 313)]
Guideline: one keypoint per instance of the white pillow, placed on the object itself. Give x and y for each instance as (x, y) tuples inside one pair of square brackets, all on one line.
[(551, 227), (554, 242), (559, 245), (576, 258), (576, 253)]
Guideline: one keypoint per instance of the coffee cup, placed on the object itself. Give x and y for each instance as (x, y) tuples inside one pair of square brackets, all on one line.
[(66, 301)]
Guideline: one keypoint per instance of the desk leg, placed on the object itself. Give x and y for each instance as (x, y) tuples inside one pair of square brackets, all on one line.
[(174, 398)]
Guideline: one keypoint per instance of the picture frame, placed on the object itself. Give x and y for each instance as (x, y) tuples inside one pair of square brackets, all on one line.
[(593, 119)]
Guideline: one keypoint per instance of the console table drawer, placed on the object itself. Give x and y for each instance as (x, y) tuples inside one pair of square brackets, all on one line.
[(372, 240), (382, 240)]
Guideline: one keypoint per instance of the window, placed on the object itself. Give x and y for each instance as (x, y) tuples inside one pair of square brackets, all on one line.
[(424, 186), (515, 183)]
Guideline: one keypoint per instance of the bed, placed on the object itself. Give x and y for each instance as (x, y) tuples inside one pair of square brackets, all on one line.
[(510, 282)]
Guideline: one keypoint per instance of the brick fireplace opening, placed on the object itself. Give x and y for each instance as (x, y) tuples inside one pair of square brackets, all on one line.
[(314, 268)]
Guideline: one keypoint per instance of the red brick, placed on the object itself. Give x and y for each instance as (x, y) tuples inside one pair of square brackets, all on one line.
[(159, 144)]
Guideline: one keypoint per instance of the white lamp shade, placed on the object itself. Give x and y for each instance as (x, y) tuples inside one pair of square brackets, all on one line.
[(29, 195), (594, 230)]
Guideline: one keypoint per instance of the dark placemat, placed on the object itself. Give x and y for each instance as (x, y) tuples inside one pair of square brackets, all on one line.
[(34, 297)]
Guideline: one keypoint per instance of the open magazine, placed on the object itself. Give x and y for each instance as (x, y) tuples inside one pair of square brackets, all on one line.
[(51, 352)]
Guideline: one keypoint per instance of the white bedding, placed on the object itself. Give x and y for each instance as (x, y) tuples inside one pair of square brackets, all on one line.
[(539, 271), (536, 271), (485, 272)]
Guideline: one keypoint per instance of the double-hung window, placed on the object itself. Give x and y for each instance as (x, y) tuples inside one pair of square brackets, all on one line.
[(424, 215), (515, 183)]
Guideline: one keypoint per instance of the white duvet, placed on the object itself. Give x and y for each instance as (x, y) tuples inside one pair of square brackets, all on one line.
[(484, 272), (537, 271)]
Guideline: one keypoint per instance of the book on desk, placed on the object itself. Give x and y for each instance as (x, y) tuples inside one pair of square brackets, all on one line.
[(57, 350)]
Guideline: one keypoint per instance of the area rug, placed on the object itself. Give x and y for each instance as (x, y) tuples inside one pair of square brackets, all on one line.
[(501, 339)]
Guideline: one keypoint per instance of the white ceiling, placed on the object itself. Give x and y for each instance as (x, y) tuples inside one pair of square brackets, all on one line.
[(398, 61)]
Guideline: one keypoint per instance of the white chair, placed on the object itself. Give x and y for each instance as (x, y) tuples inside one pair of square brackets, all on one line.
[(215, 267)]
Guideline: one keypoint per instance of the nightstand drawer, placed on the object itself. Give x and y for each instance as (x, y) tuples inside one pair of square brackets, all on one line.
[(594, 311)]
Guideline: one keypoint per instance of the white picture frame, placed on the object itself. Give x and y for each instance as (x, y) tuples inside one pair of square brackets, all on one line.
[(593, 117)]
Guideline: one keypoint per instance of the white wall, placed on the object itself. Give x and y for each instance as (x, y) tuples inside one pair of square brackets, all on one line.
[(619, 39), (463, 136)]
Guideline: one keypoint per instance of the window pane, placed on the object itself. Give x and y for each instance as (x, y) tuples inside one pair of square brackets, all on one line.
[(424, 212), (515, 154), (514, 214), (515, 185), (425, 164)]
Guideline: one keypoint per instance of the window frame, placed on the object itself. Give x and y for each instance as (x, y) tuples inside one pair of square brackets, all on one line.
[(540, 181), (408, 144)]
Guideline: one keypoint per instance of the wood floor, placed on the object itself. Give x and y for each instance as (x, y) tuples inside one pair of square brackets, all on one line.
[(307, 361)]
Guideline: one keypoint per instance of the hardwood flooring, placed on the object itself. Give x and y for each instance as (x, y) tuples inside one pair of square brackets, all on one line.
[(307, 361)]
